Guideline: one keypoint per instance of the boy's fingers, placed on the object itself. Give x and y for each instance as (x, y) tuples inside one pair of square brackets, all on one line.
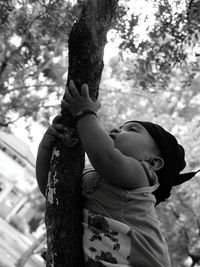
[(85, 91), (57, 119), (59, 127), (98, 104), (53, 133), (51, 130), (68, 96), (73, 90), (65, 104)]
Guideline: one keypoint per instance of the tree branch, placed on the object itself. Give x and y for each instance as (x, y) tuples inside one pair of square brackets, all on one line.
[(10, 54), (27, 113)]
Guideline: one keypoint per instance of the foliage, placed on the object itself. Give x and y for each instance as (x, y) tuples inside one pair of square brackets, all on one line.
[(33, 50), (33, 57), (171, 37)]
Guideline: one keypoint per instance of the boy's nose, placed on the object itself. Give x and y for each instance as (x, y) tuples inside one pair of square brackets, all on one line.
[(115, 130)]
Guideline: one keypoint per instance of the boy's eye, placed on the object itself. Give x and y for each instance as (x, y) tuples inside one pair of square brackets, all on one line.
[(133, 129)]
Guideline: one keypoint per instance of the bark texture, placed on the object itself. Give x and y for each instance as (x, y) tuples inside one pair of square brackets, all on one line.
[(64, 200)]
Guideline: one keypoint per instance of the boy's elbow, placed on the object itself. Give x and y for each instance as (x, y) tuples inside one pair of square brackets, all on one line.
[(42, 170), (42, 178), (42, 187), (104, 162)]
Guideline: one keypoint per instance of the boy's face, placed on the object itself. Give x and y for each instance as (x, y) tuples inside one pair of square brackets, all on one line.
[(133, 140)]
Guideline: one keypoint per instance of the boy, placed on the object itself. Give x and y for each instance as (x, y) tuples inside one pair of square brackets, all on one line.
[(131, 164)]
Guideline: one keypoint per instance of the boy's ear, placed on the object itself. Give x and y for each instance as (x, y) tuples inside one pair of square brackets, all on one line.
[(156, 163)]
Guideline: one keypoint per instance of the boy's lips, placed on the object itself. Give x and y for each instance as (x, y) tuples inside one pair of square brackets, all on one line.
[(112, 135)]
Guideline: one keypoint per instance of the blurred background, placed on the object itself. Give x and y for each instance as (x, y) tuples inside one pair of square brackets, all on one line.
[(151, 72)]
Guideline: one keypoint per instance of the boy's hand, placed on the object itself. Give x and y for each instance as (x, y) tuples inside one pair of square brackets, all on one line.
[(53, 133), (58, 131), (76, 102)]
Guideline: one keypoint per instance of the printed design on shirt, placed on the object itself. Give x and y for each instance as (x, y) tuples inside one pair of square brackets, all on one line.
[(106, 241), (99, 226)]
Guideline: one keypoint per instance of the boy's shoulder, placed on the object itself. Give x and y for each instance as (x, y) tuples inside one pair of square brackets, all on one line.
[(90, 180)]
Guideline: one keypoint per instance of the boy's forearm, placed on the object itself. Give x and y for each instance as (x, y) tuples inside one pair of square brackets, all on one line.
[(42, 167), (96, 142)]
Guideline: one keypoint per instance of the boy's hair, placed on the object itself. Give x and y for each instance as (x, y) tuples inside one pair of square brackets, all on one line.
[(173, 155)]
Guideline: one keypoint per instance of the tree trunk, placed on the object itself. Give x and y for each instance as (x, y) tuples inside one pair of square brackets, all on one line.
[(64, 199)]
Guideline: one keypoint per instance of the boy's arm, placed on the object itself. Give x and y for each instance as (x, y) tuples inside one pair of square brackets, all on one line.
[(44, 154), (106, 159), (42, 167)]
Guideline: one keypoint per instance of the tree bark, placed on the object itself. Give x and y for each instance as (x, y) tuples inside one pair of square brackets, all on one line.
[(64, 199)]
